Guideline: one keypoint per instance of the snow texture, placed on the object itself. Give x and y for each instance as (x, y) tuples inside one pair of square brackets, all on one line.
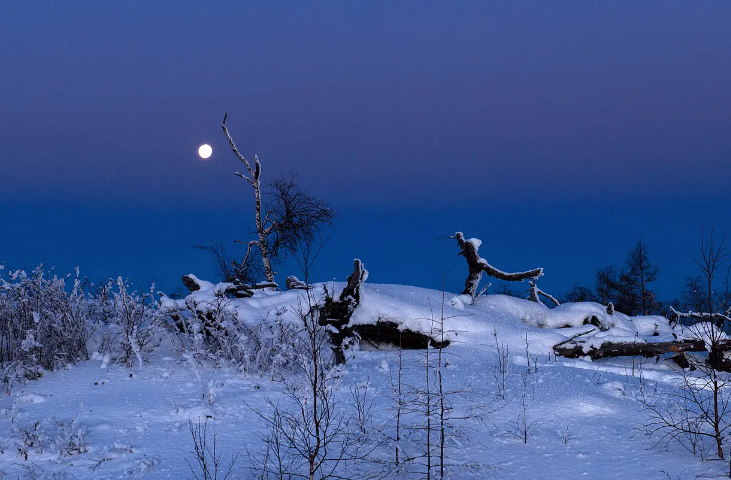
[(131, 422)]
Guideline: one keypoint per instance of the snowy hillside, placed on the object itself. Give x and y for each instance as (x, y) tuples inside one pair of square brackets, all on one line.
[(516, 411)]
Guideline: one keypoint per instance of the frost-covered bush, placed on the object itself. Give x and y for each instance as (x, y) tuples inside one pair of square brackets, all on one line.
[(127, 321), (63, 438), (210, 327), (47, 321), (42, 324)]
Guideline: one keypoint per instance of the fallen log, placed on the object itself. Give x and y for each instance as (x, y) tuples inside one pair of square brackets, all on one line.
[(645, 349), (386, 332), (238, 291), (639, 349)]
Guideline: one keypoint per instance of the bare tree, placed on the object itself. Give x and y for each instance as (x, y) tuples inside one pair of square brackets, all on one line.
[(294, 217), (580, 293), (208, 465), (693, 297), (702, 410), (711, 259), (299, 216)]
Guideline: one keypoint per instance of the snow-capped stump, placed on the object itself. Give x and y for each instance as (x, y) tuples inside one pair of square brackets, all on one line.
[(336, 315)]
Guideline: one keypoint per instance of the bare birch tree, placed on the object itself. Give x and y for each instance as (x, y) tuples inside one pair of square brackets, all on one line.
[(265, 226), (295, 217)]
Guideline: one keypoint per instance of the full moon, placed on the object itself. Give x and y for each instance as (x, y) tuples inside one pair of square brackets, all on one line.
[(205, 150)]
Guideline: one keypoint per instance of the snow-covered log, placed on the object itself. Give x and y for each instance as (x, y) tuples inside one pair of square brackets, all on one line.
[(577, 349), (239, 291), (477, 265), (640, 348), (336, 313), (294, 283)]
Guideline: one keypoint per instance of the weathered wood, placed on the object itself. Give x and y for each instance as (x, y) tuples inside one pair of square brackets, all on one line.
[(239, 291), (641, 349), (355, 279), (294, 283), (191, 283), (716, 358), (336, 315), (385, 332), (477, 265)]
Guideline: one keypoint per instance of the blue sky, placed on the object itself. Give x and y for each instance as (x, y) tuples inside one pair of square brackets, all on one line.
[(558, 132)]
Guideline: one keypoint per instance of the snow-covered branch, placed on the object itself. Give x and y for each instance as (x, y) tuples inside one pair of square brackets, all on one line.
[(535, 293), (704, 316), (477, 265)]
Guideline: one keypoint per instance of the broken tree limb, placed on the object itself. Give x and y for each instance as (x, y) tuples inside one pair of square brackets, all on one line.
[(477, 265), (573, 337), (701, 316), (535, 292)]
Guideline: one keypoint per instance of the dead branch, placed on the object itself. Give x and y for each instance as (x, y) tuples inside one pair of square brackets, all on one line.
[(477, 265)]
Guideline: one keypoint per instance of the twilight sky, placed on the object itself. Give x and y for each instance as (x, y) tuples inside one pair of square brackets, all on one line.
[(557, 132)]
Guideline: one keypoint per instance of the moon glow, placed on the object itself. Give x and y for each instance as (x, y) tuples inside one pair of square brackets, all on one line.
[(205, 150)]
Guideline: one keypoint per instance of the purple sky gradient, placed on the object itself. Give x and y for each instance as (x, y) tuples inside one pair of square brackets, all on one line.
[(380, 106)]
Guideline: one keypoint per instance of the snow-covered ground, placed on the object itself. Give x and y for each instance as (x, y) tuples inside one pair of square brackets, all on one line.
[(585, 418)]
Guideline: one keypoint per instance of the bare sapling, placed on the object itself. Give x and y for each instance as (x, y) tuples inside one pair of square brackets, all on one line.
[(315, 439), (501, 366), (701, 410), (524, 426), (207, 463)]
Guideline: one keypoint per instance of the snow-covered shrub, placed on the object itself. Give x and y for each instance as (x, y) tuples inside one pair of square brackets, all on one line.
[(210, 327), (71, 439), (63, 438), (42, 324), (207, 463), (127, 321)]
